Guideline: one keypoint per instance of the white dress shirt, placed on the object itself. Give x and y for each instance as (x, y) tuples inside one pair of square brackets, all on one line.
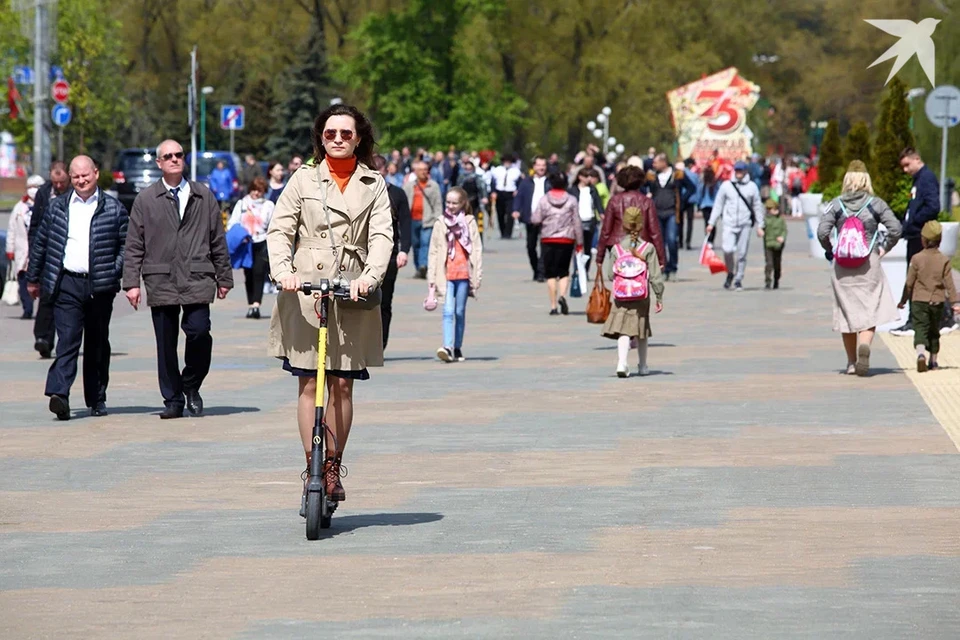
[(182, 196), (505, 179), (539, 188), (586, 204), (664, 176), (76, 254)]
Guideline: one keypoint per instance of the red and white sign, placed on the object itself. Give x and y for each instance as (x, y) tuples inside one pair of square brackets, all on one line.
[(710, 117), (60, 90)]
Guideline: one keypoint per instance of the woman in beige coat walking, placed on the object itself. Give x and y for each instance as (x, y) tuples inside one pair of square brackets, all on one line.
[(861, 297), (333, 218)]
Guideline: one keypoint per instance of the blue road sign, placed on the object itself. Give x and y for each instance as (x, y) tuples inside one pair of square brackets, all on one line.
[(231, 116), (61, 115), (22, 74), (56, 73)]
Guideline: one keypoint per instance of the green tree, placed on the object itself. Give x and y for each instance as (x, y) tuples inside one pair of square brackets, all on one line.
[(857, 144), (421, 83), (893, 135), (90, 53), (831, 160), (307, 92)]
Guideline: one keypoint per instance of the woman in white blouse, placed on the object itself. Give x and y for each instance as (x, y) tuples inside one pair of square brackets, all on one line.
[(253, 213)]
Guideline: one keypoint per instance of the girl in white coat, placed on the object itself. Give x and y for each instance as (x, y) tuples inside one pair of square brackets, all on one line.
[(18, 245)]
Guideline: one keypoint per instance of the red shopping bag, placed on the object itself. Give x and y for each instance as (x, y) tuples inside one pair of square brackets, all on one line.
[(709, 259)]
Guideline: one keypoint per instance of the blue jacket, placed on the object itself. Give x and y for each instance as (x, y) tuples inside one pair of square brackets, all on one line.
[(705, 197), (523, 200), (239, 247), (694, 190), (108, 236), (924, 205), (221, 183)]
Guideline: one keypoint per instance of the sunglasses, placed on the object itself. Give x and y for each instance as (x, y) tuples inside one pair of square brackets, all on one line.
[(331, 134), (167, 157)]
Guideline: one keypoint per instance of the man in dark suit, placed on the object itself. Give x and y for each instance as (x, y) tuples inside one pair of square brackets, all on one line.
[(43, 330), (529, 192), (177, 243), (401, 247), (924, 206), (75, 263)]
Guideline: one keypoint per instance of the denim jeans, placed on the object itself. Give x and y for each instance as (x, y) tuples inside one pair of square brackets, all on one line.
[(415, 227), (455, 307), (424, 249), (668, 224)]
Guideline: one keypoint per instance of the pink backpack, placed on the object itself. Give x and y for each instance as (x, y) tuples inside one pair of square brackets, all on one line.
[(851, 246), (629, 275)]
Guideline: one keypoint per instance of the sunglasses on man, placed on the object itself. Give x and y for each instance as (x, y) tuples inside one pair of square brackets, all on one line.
[(167, 157), (331, 134)]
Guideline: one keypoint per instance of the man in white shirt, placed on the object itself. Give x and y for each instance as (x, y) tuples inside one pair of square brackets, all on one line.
[(529, 193), (505, 177), (76, 261)]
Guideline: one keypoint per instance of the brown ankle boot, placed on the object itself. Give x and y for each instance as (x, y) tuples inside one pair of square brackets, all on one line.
[(333, 470)]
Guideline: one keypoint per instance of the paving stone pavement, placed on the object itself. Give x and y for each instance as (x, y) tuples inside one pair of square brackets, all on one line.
[(744, 490)]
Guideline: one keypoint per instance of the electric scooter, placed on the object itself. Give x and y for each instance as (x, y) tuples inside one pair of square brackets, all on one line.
[(317, 506)]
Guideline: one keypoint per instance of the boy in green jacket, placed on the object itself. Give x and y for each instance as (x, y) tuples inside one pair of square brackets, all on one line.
[(773, 240)]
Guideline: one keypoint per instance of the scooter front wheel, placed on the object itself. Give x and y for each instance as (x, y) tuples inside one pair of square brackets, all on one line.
[(315, 515)]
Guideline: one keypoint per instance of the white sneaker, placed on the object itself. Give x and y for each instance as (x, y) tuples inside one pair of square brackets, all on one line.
[(950, 329), (643, 370), (445, 354), (622, 371)]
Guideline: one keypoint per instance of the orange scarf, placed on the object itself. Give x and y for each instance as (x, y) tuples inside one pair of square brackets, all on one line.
[(341, 169)]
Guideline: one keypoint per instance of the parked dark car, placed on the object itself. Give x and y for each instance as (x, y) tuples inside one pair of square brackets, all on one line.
[(133, 171)]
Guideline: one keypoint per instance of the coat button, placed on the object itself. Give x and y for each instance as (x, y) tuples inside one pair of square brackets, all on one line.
[(346, 239), (293, 269), (319, 266), (342, 268), (316, 296), (323, 234)]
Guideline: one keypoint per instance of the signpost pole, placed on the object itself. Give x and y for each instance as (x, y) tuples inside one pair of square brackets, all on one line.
[(231, 140), (60, 144), (193, 120)]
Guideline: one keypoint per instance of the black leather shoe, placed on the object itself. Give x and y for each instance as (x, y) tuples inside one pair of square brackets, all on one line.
[(256, 313), (194, 402), (172, 412), (99, 410), (43, 347), (60, 406)]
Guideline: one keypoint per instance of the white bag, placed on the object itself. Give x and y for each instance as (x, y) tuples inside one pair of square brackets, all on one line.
[(582, 259), (11, 289)]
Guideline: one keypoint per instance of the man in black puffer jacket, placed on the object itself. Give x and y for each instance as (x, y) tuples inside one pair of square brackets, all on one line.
[(77, 261)]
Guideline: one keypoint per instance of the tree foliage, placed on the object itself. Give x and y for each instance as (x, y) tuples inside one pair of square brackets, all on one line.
[(893, 136), (857, 144), (831, 158), (520, 75)]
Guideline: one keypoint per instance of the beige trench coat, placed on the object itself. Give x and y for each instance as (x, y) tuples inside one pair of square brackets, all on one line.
[(437, 264), (362, 229)]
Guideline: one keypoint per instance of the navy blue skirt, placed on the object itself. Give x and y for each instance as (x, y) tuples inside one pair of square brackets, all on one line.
[(361, 374)]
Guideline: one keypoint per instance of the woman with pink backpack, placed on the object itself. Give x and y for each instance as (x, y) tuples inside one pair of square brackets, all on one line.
[(849, 233), (633, 269)]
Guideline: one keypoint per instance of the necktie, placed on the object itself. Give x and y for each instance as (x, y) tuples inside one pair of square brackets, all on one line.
[(175, 192)]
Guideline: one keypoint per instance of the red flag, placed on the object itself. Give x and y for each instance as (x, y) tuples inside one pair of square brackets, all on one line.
[(13, 98)]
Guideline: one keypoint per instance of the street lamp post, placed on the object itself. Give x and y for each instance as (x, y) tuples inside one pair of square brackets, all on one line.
[(203, 116), (602, 131)]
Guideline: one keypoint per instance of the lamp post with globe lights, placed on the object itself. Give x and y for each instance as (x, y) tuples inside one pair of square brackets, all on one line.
[(601, 131)]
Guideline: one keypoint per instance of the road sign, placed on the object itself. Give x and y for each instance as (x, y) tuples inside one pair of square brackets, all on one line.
[(61, 115), (60, 90), (56, 73), (943, 106), (23, 74), (231, 117)]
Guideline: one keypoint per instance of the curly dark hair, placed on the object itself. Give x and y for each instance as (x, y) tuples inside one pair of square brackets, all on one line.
[(631, 178), (364, 150), (557, 180)]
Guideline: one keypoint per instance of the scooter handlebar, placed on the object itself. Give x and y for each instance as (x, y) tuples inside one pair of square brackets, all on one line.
[(338, 288)]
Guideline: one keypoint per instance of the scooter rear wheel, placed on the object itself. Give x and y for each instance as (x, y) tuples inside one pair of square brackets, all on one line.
[(315, 515)]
